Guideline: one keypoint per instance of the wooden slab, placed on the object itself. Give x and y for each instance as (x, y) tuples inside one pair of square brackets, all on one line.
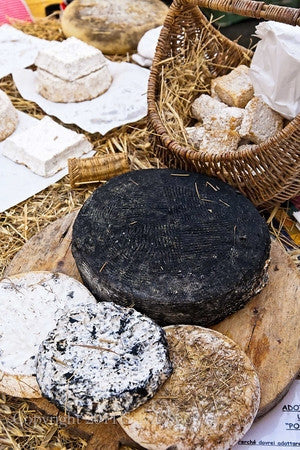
[(48, 250), (267, 328)]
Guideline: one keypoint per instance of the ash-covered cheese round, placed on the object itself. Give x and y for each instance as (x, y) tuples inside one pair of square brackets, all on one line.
[(180, 247), (8, 116), (30, 305), (102, 361), (208, 403)]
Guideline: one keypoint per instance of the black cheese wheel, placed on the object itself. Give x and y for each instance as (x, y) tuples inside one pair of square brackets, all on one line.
[(180, 247)]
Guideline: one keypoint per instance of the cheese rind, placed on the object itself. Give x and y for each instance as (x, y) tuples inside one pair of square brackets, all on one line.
[(113, 26), (8, 116), (58, 90), (210, 400), (70, 59), (101, 361), (30, 305), (46, 147)]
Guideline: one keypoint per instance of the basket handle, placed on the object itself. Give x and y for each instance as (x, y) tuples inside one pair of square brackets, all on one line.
[(248, 8)]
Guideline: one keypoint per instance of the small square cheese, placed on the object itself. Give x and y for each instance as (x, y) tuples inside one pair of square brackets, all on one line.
[(220, 130), (46, 147), (260, 122), (217, 140), (70, 59), (205, 106), (235, 88), (229, 118)]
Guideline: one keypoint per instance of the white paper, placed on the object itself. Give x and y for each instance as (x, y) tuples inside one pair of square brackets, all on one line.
[(124, 102), (275, 67), (17, 49), (17, 182), (280, 428)]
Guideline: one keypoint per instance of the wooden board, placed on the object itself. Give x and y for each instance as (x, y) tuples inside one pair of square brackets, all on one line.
[(267, 328)]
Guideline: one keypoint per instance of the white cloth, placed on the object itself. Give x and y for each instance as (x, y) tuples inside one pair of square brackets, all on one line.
[(124, 102), (275, 67)]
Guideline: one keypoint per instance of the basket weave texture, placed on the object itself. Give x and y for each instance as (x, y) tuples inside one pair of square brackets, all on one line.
[(267, 174)]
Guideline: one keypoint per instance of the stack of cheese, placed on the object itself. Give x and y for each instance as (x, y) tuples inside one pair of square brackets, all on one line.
[(232, 118), (71, 71), (102, 361), (94, 361)]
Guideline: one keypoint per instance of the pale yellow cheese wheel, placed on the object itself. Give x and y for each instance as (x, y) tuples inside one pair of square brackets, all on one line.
[(113, 26), (208, 403)]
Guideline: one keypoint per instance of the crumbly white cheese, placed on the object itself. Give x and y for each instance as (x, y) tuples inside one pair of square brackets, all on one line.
[(70, 59), (102, 360), (30, 305), (221, 124), (235, 88), (8, 116), (195, 135), (45, 147), (209, 401), (58, 90), (204, 106), (260, 122)]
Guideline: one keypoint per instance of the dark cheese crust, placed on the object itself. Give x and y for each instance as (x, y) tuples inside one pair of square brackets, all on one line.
[(102, 361), (180, 247)]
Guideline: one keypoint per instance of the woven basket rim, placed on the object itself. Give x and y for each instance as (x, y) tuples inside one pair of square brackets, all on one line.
[(204, 156)]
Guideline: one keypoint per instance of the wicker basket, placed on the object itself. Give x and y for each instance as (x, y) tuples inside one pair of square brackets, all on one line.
[(267, 174)]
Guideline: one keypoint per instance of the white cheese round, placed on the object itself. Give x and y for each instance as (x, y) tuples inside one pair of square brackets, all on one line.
[(30, 305), (102, 361), (208, 403)]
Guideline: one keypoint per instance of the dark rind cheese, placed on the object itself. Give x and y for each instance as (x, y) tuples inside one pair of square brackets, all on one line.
[(180, 247), (102, 361)]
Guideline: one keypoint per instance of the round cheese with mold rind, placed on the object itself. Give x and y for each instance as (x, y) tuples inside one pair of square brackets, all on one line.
[(30, 305), (113, 26), (102, 361), (209, 401)]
